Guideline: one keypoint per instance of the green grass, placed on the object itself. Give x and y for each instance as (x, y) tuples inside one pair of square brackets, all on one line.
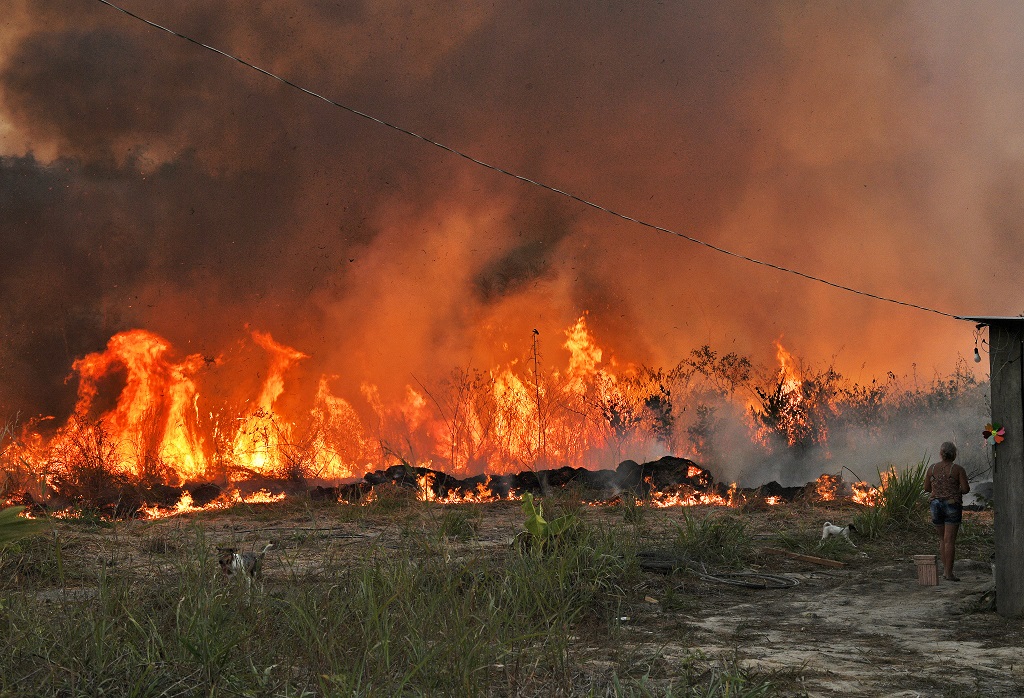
[(901, 502), (383, 624), (429, 607), (460, 522), (14, 526), (720, 540), (634, 511)]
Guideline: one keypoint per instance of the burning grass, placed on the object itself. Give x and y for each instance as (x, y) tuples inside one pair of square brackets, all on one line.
[(144, 419)]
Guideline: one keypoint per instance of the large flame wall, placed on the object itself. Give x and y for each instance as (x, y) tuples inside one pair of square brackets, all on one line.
[(146, 413), (161, 423)]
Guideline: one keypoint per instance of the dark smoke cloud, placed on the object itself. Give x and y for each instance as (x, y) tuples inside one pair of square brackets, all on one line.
[(531, 257), (148, 183)]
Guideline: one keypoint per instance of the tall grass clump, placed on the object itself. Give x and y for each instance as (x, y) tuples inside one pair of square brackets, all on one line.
[(460, 523), (901, 501), (716, 540)]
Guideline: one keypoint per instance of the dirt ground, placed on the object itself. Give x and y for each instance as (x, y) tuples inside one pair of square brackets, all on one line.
[(870, 630), (865, 629)]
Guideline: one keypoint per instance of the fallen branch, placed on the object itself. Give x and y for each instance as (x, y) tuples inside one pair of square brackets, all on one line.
[(806, 558)]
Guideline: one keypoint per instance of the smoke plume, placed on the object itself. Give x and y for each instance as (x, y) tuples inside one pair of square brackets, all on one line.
[(148, 183)]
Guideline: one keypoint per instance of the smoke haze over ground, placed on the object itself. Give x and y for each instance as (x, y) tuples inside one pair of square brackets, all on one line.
[(145, 182)]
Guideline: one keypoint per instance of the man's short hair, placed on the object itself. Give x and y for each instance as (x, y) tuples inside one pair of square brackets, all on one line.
[(948, 451)]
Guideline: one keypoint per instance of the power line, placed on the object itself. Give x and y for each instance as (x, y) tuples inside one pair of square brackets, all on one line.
[(521, 178)]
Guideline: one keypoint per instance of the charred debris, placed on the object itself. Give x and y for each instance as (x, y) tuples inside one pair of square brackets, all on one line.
[(668, 476)]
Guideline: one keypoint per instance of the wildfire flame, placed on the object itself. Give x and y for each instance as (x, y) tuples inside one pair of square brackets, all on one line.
[(142, 414), (185, 505), (482, 494), (155, 418), (866, 494), (787, 371), (826, 487), (790, 408)]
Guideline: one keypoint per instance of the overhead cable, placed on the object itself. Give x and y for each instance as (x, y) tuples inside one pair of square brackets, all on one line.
[(521, 178)]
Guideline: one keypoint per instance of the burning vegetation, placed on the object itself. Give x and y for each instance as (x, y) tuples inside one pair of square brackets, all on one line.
[(148, 435)]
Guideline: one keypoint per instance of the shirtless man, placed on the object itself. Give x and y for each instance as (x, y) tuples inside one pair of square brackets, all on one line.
[(947, 483)]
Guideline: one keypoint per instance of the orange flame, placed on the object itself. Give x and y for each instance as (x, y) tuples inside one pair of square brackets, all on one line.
[(584, 356), (787, 369), (258, 443), (507, 419), (154, 421), (186, 505), (865, 494)]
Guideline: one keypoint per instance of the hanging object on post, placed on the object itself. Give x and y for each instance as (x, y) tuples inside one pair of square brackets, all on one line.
[(994, 434)]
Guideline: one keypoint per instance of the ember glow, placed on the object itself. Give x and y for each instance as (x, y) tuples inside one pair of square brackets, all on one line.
[(481, 495)]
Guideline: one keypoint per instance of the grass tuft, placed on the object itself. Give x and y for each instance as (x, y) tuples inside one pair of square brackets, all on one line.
[(901, 502), (720, 540)]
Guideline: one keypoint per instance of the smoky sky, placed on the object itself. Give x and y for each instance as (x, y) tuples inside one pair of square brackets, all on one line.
[(145, 182)]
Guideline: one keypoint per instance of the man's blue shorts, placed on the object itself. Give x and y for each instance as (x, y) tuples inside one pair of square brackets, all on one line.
[(946, 511)]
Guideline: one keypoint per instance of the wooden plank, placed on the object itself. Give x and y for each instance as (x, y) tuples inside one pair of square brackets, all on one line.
[(806, 558), (1006, 369)]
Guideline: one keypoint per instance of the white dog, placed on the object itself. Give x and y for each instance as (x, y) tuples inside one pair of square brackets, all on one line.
[(830, 529)]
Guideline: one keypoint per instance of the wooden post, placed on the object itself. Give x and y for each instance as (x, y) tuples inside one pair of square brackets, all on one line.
[(1006, 370)]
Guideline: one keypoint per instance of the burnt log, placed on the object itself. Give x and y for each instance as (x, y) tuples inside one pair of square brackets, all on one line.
[(527, 481), (500, 485), (557, 478), (671, 470), (204, 493), (629, 475), (774, 489), (377, 477), (354, 492), (163, 495), (451, 485), (442, 484), (662, 474), (324, 494), (603, 482)]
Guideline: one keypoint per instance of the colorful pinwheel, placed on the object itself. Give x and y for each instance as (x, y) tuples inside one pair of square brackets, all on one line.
[(994, 433)]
